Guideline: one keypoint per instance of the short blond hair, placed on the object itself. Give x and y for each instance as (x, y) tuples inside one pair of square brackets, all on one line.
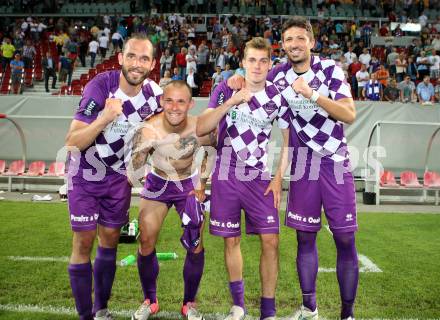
[(259, 44)]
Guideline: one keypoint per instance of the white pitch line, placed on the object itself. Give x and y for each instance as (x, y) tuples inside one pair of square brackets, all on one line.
[(38, 259), (122, 313)]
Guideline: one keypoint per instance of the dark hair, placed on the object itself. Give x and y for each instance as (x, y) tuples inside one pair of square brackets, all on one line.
[(139, 36), (299, 22)]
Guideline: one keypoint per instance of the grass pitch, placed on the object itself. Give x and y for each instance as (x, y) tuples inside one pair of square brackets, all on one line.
[(404, 246)]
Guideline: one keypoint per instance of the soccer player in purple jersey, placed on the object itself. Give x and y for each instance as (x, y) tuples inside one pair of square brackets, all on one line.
[(320, 102), (169, 140), (241, 179), (99, 194)]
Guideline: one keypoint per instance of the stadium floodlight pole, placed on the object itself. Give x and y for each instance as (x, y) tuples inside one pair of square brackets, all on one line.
[(20, 132)]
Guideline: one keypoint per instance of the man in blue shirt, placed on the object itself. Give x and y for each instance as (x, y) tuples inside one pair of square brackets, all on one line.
[(425, 91), (17, 68)]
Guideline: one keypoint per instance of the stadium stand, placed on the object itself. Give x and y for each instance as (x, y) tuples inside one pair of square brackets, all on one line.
[(16, 168), (36, 168)]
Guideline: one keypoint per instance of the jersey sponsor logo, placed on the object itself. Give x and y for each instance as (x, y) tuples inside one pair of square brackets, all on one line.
[(119, 128), (83, 218), (244, 119), (228, 224), (299, 218), (90, 107), (302, 104)]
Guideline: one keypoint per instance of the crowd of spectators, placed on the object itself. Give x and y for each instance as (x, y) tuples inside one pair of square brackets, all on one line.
[(406, 74)]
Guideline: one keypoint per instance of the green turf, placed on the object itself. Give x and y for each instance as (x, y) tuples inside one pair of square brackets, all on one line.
[(404, 246)]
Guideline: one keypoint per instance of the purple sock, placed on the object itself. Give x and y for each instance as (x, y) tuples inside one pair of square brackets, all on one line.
[(347, 270), (192, 274), (267, 308), (307, 266), (104, 271), (148, 268), (81, 282), (237, 292)]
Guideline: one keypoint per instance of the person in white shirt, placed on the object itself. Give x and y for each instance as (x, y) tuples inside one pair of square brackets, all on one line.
[(165, 62), (93, 49), (350, 55), (365, 57), (362, 77), (103, 45), (434, 59), (423, 19), (191, 60), (117, 42)]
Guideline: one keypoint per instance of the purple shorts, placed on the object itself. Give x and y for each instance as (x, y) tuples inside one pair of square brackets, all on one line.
[(229, 197), (169, 192), (308, 193), (104, 202)]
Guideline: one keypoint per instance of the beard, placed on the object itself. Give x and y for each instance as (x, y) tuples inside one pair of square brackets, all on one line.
[(134, 81)]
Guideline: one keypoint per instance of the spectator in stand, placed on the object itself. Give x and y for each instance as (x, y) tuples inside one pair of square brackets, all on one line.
[(176, 74), (374, 64), (353, 68), (103, 41), (181, 62), (422, 65), (240, 70), (117, 41), (373, 89), (365, 57), (391, 61), (191, 60), (83, 48), (216, 78), (350, 55), (166, 61), (425, 91), (391, 93), (17, 69), (203, 56), (166, 79), (221, 59), (193, 81), (434, 59), (65, 67), (29, 53), (362, 77), (437, 91), (227, 73), (7, 51), (48, 64), (401, 65), (234, 60), (93, 50), (411, 69), (407, 90), (436, 42), (382, 75)]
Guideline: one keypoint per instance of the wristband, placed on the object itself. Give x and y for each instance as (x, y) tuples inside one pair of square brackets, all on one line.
[(315, 95)]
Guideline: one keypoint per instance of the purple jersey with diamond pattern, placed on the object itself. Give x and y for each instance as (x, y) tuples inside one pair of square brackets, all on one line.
[(112, 144), (313, 125), (247, 127)]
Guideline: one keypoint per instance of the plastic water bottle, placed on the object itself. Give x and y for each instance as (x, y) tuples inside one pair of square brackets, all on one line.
[(128, 260), (162, 256)]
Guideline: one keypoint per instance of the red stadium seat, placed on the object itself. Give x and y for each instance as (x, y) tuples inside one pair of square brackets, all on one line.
[(409, 179), (388, 180), (16, 168), (36, 168), (2, 166), (431, 179), (56, 169)]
